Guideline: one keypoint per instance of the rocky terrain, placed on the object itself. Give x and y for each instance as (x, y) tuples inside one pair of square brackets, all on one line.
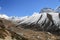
[(9, 31), (6, 34), (41, 26)]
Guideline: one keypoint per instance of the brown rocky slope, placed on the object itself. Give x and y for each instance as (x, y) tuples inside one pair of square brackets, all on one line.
[(9, 31)]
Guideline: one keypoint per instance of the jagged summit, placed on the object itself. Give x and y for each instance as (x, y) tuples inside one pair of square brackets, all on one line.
[(47, 10), (58, 9)]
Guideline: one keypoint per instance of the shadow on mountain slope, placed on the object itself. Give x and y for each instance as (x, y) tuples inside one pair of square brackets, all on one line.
[(9, 31)]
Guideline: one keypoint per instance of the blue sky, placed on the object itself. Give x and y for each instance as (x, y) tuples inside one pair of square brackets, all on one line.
[(25, 7)]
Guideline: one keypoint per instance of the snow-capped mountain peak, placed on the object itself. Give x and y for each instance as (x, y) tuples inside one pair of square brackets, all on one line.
[(42, 21), (47, 10), (4, 16), (48, 20)]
